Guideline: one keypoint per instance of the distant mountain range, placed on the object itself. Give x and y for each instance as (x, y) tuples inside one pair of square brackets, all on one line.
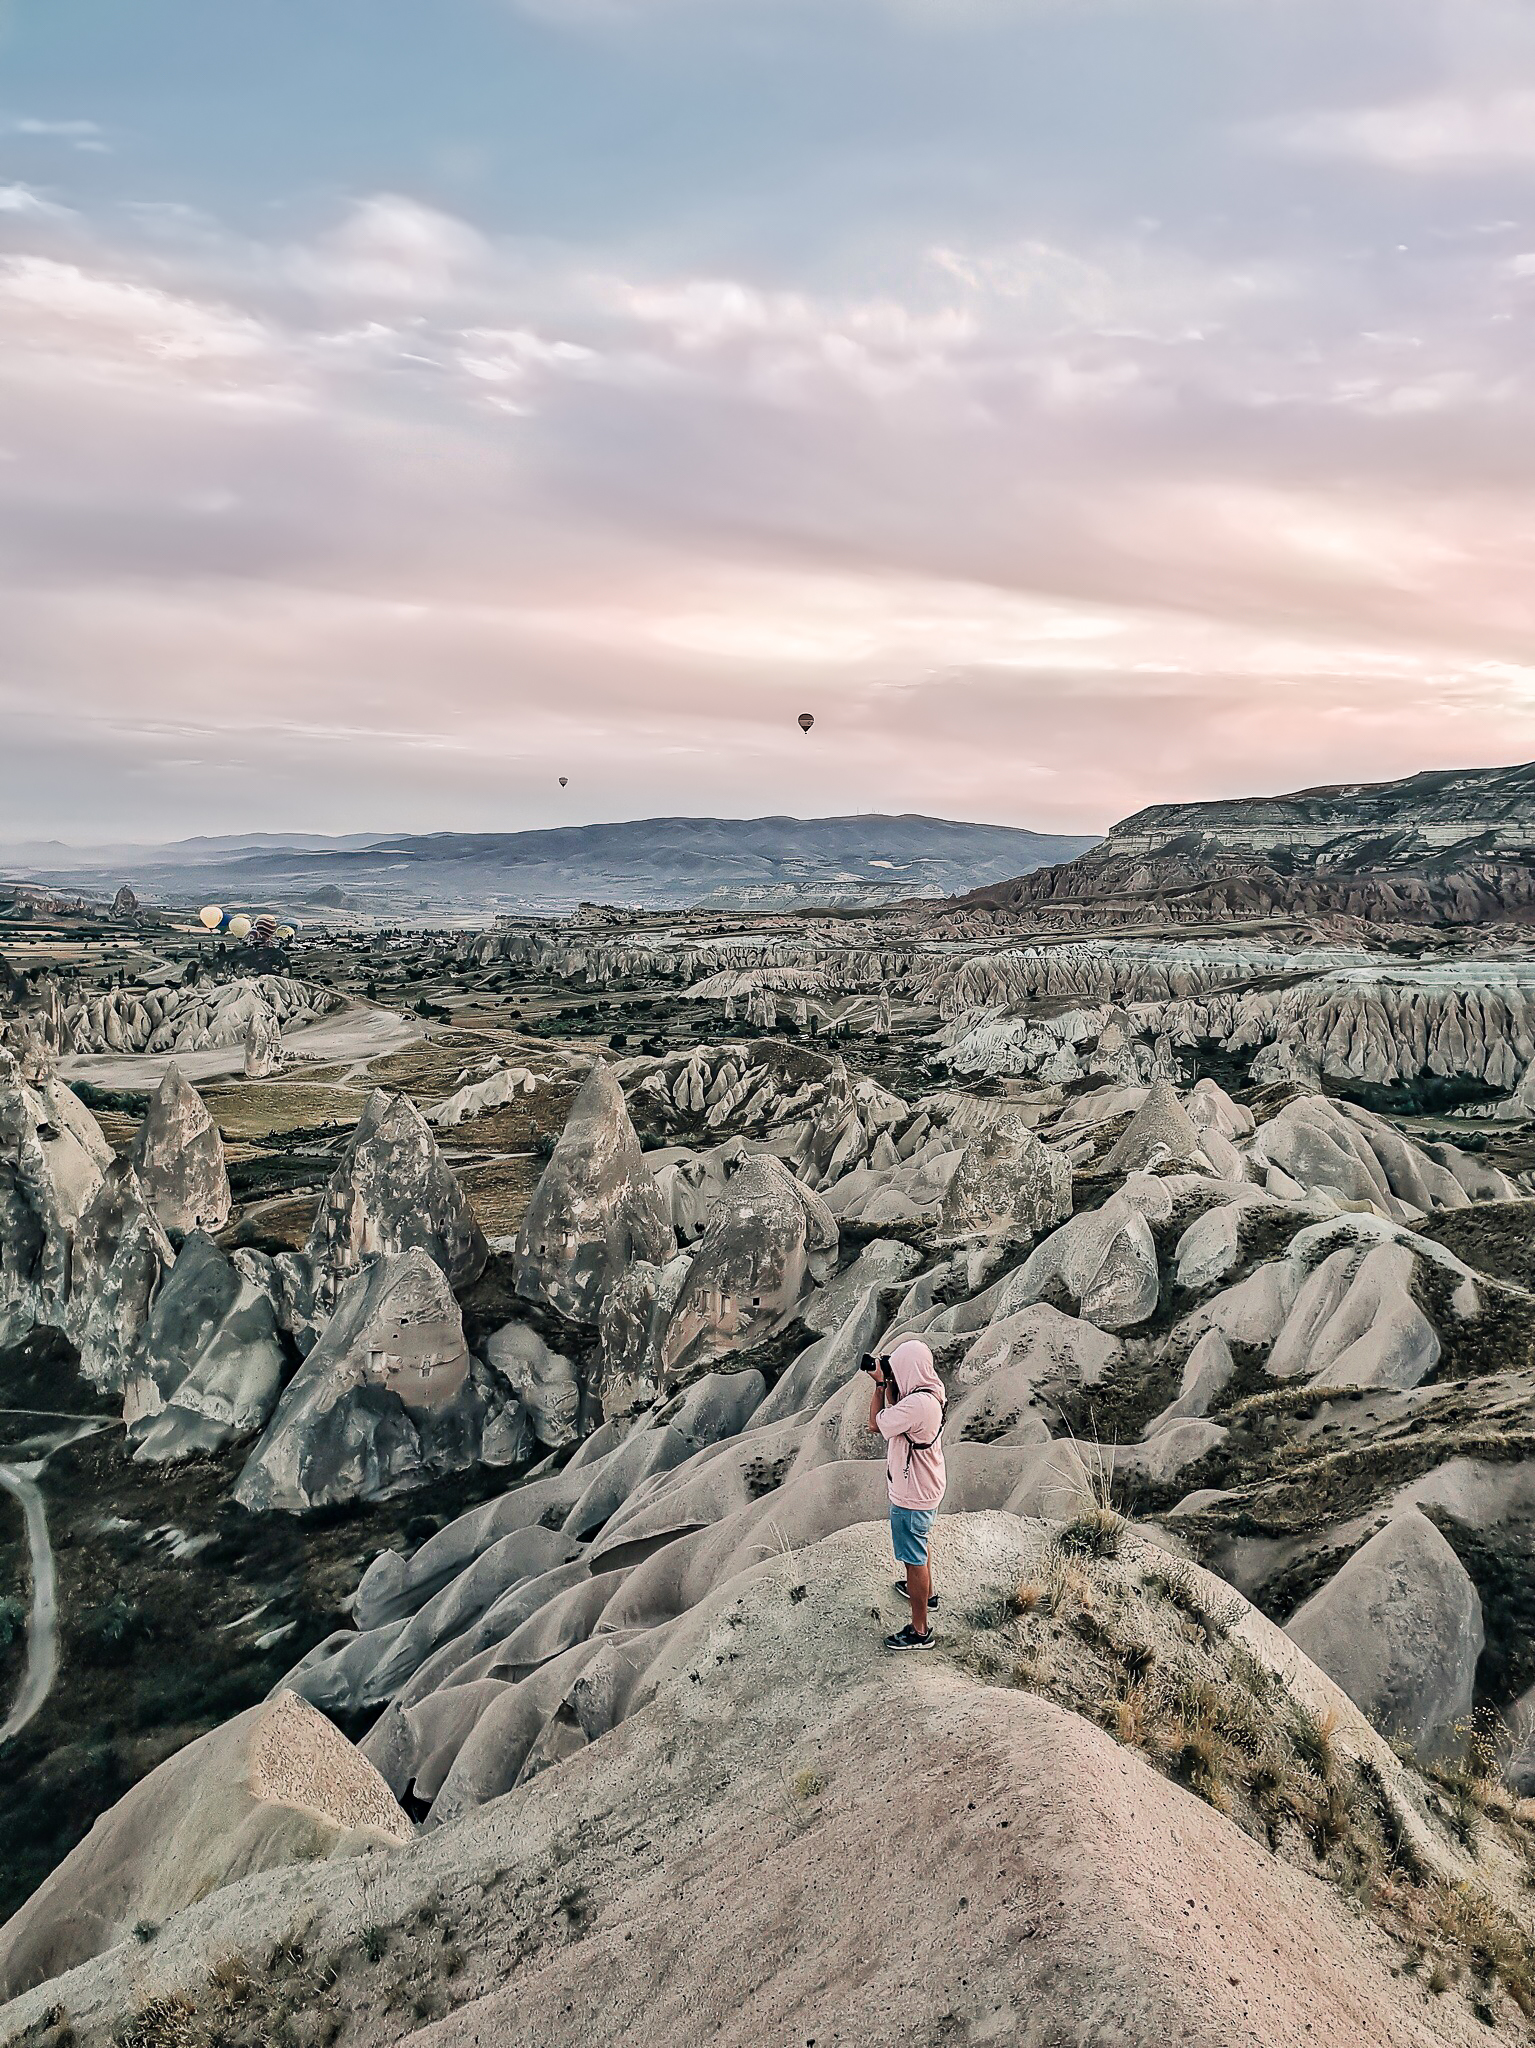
[(1452, 846), (51, 859), (649, 863)]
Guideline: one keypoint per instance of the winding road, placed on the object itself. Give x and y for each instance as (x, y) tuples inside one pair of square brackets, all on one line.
[(43, 1627)]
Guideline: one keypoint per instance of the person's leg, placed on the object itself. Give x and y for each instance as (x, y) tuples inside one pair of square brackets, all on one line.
[(918, 1586), (932, 1597)]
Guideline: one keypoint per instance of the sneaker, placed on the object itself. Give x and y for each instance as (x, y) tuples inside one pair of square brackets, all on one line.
[(900, 1587), (908, 1639)]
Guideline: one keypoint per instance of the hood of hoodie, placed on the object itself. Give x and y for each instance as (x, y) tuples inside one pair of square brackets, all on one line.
[(912, 1365)]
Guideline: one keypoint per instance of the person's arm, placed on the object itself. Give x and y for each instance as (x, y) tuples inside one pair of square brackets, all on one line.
[(879, 1396)]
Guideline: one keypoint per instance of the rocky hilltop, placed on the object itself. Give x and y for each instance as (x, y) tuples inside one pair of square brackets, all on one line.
[(1452, 847), (1443, 807)]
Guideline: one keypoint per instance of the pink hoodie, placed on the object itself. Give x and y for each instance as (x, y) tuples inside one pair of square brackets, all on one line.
[(913, 1453)]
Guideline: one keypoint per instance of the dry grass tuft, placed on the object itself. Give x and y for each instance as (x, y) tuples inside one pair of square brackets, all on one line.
[(1096, 1533), (168, 2022)]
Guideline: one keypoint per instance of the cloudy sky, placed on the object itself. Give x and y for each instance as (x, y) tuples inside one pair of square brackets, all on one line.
[(1073, 403)]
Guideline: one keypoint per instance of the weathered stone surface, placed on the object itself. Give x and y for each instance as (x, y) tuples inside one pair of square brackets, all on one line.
[(178, 1019), (1105, 1257), (52, 1159), (1355, 1322), (822, 1368), (596, 1208), (1170, 1450), (211, 1361), (263, 1045), (1006, 1408), (393, 1192), (385, 1401), (881, 1264), (116, 1261), (1207, 1372), (479, 1097), (544, 1381), (1341, 1150), (837, 1139), (1007, 1184), (632, 1324), (1399, 1627), (770, 1238), (276, 1785), (691, 1183), (1210, 1247), (1060, 1353), (1159, 1133), (179, 1158), (1123, 1287)]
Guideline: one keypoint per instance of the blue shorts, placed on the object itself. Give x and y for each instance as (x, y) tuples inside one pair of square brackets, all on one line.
[(909, 1532)]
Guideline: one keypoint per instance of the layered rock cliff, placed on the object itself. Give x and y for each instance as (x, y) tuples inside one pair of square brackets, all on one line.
[(1450, 847)]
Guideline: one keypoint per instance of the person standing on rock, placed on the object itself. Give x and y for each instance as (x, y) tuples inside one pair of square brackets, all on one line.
[(906, 1407)]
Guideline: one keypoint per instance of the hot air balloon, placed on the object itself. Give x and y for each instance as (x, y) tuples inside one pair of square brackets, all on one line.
[(283, 934), (210, 917), (563, 780), (265, 929), (240, 927), (806, 720)]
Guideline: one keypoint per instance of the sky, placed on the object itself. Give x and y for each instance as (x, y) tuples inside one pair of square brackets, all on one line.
[(1074, 404)]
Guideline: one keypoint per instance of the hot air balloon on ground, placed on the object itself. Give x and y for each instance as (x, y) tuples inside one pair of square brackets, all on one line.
[(210, 917), (240, 927), (264, 929), (806, 720)]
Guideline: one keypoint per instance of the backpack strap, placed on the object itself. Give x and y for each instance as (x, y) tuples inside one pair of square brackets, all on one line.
[(911, 1442)]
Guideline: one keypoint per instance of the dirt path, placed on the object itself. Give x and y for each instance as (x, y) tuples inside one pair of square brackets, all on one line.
[(43, 1627)]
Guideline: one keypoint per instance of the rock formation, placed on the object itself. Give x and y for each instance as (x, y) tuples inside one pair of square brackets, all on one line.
[(479, 1097), (1292, 1339), (596, 1208), (263, 1045), (1007, 1185), (632, 1324), (179, 1158), (117, 1258), (393, 1192), (768, 1241), (387, 1399), (52, 1159), (191, 1019), (277, 1785), (544, 1381), (1400, 1629), (1437, 848), (210, 1362)]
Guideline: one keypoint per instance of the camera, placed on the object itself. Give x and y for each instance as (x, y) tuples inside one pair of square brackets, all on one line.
[(871, 1364)]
